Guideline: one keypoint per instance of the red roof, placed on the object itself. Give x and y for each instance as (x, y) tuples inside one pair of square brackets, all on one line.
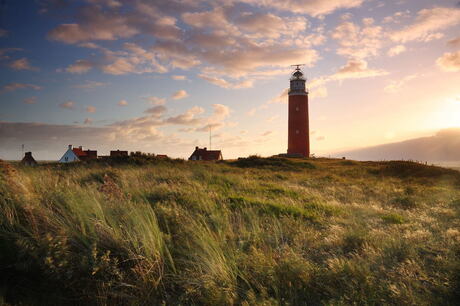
[(204, 154), (79, 152)]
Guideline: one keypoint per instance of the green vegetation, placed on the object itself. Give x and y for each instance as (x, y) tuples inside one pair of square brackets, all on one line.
[(268, 231)]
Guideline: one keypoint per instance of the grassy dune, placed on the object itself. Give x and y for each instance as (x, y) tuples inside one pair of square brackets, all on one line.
[(254, 231)]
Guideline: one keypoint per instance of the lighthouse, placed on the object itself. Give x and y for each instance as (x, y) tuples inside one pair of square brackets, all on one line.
[(298, 127)]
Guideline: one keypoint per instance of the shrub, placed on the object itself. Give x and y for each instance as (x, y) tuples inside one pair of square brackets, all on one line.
[(393, 218)]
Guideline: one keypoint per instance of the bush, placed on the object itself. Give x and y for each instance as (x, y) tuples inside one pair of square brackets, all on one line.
[(393, 219)]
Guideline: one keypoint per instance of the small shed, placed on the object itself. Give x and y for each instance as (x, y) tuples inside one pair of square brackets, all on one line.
[(205, 154), (69, 156), (28, 160)]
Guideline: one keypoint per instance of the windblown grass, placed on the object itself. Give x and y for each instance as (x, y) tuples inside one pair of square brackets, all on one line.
[(269, 231)]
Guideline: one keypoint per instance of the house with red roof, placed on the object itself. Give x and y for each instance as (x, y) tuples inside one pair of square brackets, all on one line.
[(77, 154), (205, 154)]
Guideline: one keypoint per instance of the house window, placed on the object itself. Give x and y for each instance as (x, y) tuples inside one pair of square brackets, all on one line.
[(66, 158)]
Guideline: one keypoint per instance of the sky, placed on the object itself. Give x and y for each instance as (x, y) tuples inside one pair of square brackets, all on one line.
[(157, 75)]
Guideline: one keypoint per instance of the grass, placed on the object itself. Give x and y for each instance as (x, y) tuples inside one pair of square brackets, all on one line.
[(270, 231)]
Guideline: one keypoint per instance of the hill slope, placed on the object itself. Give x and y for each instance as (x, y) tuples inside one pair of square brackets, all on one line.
[(442, 147), (252, 231)]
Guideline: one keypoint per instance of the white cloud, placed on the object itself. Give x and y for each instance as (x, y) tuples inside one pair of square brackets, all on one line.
[(91, 85), (80, 66), (358, 42), (455, 43), (91, 109), (180, 94), (312, 7), (427, 23), (67, 105), (122, 103), (226, 84), (22, 64), (16, 86), (357, 69), (156, 111), (396, 50), (155, 100), (179, 77), (320, 92), (88, 121), (31, 100), (396, 85), (449, 62)]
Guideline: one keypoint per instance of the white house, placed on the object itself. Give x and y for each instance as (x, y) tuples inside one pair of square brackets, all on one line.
[(69, 156)]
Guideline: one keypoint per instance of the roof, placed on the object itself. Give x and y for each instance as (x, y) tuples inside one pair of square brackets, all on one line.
[(79, 152), (206, 155)]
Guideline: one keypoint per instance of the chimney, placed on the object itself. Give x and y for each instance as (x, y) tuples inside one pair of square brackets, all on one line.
[(70, 147), (196, 148)]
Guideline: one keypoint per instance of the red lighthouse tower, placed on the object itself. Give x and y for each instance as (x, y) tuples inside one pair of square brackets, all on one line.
[(298, 128)]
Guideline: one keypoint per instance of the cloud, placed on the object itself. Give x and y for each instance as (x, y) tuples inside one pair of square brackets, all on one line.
[(3, 32), (449, 62), (4, 51), (226, 84), (356, 69), (320, 138), (179, 77), (396, 50), (180, 94), (122, 103), (267, 133), (90, 109), (426, 24), (281, 98), (454, 43), (16, 86), (67, 105), (397, 17), (80, 66), (320, 92), (155, 100), (21, 64), (88, 121), (272, 118), (156, 111), (356, 41), (96, 24), (187, 118), (31, 100), (91, 85), (396, 85), (314, 8)]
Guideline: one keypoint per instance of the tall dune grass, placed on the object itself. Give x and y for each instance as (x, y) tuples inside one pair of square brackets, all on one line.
[(256, 231)]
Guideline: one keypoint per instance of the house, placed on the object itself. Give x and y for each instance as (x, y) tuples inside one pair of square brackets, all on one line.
[(69, 156), (162, 156), (77, 154), (28, 160), (85, 154), (204, 154), (118, 153)]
